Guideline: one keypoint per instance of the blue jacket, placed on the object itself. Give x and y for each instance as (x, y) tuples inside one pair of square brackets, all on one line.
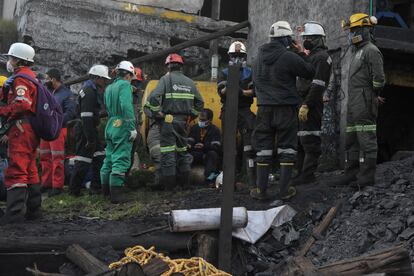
[(65, 98)]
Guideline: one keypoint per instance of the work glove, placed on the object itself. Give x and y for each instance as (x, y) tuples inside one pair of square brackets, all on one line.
[(168, 118), (303, 113), (133, 135)]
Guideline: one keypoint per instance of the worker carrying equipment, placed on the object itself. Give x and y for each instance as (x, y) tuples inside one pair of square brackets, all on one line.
[(173, 104), (21, 176), (311, 92), (245, 117), (120, 131), (365, 84), (277, 67), (89, 148)]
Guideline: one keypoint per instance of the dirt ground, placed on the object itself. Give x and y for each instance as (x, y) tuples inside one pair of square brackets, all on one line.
[(371, 219)]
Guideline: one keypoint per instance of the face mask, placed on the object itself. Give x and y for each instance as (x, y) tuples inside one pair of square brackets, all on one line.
[(308, 44), (10, 67), (202, 124), (237, 60), (49, 85)]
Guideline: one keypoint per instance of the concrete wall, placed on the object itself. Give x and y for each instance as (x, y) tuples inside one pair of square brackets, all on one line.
[(73, 35), (263, 13)]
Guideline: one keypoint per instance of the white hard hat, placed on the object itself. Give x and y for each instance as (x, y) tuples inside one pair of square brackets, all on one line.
[(237, 47), (100, 71), (280, 29), (127, 66), (22, 51), (313, 28)]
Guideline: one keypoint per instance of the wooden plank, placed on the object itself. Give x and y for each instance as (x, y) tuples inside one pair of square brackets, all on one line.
[(164, 241), (321, 228), (395, 260), (84, 260), (229, 169), (176, 48)]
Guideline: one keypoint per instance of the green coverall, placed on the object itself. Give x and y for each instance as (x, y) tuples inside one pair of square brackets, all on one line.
[(176, 95), (366, 79), (121, 121)]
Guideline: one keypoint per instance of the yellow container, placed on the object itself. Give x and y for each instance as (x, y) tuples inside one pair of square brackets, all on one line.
[(208, 91)]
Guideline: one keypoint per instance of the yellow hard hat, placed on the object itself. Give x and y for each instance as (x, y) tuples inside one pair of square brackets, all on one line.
[(2, 80), (359, 20)]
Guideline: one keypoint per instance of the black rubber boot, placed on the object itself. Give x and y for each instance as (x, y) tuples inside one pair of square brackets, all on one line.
[(33, 203), (79, 172), (169, 182), (183, 180), (310, 164), (118, 194), (251, 172), (285, 190), (260, 192), (351, 170), (106, 191), (16, 206), (366, 176)]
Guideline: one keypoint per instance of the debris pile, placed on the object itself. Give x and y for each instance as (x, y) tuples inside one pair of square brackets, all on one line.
[(374, 218)]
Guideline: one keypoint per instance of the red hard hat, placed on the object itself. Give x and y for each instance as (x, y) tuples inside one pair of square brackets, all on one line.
[(174, 58), (138, 73)]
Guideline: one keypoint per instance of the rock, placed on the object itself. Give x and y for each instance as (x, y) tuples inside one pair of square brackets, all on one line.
[(277, 233), (388, 204), (266, 248), (389, 236), (395, 226), (365, 243), (406, 234), (249, 268), (292, 236)]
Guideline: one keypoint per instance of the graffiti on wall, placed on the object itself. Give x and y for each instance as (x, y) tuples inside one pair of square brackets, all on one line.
[(167, 14)]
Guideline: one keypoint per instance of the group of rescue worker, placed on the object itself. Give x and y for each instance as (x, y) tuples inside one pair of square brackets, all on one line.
[(288, 80)]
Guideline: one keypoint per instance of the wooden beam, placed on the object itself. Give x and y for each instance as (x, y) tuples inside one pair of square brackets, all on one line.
[(176, 48), (229, 169), (84, 260)]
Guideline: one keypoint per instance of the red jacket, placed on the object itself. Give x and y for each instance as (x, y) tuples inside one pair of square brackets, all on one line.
[(21, 100)]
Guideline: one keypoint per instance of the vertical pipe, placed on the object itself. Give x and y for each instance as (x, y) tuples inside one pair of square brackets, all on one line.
[(371, 7)]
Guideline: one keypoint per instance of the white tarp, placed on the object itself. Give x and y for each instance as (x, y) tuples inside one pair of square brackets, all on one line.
[(259, 222), (187, 6)]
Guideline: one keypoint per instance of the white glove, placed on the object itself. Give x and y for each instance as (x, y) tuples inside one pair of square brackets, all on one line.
[(133, 135)]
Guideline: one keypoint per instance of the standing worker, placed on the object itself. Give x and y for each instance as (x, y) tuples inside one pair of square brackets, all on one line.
[(310, 112), (245, 117), (174, 103), (120, 131), (89, 149), (365, 84), (277, 68), (21, 177), (52, 153)]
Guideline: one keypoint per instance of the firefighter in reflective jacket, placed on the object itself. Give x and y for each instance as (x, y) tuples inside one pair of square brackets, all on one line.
[(175, 102), (89, 149), (245, 117), (366, 81), (310, 112), (21, 177)]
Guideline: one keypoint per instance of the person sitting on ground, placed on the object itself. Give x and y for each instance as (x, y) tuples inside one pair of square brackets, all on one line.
[(205, 145)]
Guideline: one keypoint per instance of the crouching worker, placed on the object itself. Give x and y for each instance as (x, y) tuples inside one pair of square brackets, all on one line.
[(205, 145), (21, 177), (120, 131), (174, 103)]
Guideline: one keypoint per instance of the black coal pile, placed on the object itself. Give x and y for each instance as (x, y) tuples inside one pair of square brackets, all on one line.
[(370, 219), (374, 218)]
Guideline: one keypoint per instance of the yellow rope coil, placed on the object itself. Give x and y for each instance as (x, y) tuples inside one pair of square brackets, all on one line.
[(188, 267)]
